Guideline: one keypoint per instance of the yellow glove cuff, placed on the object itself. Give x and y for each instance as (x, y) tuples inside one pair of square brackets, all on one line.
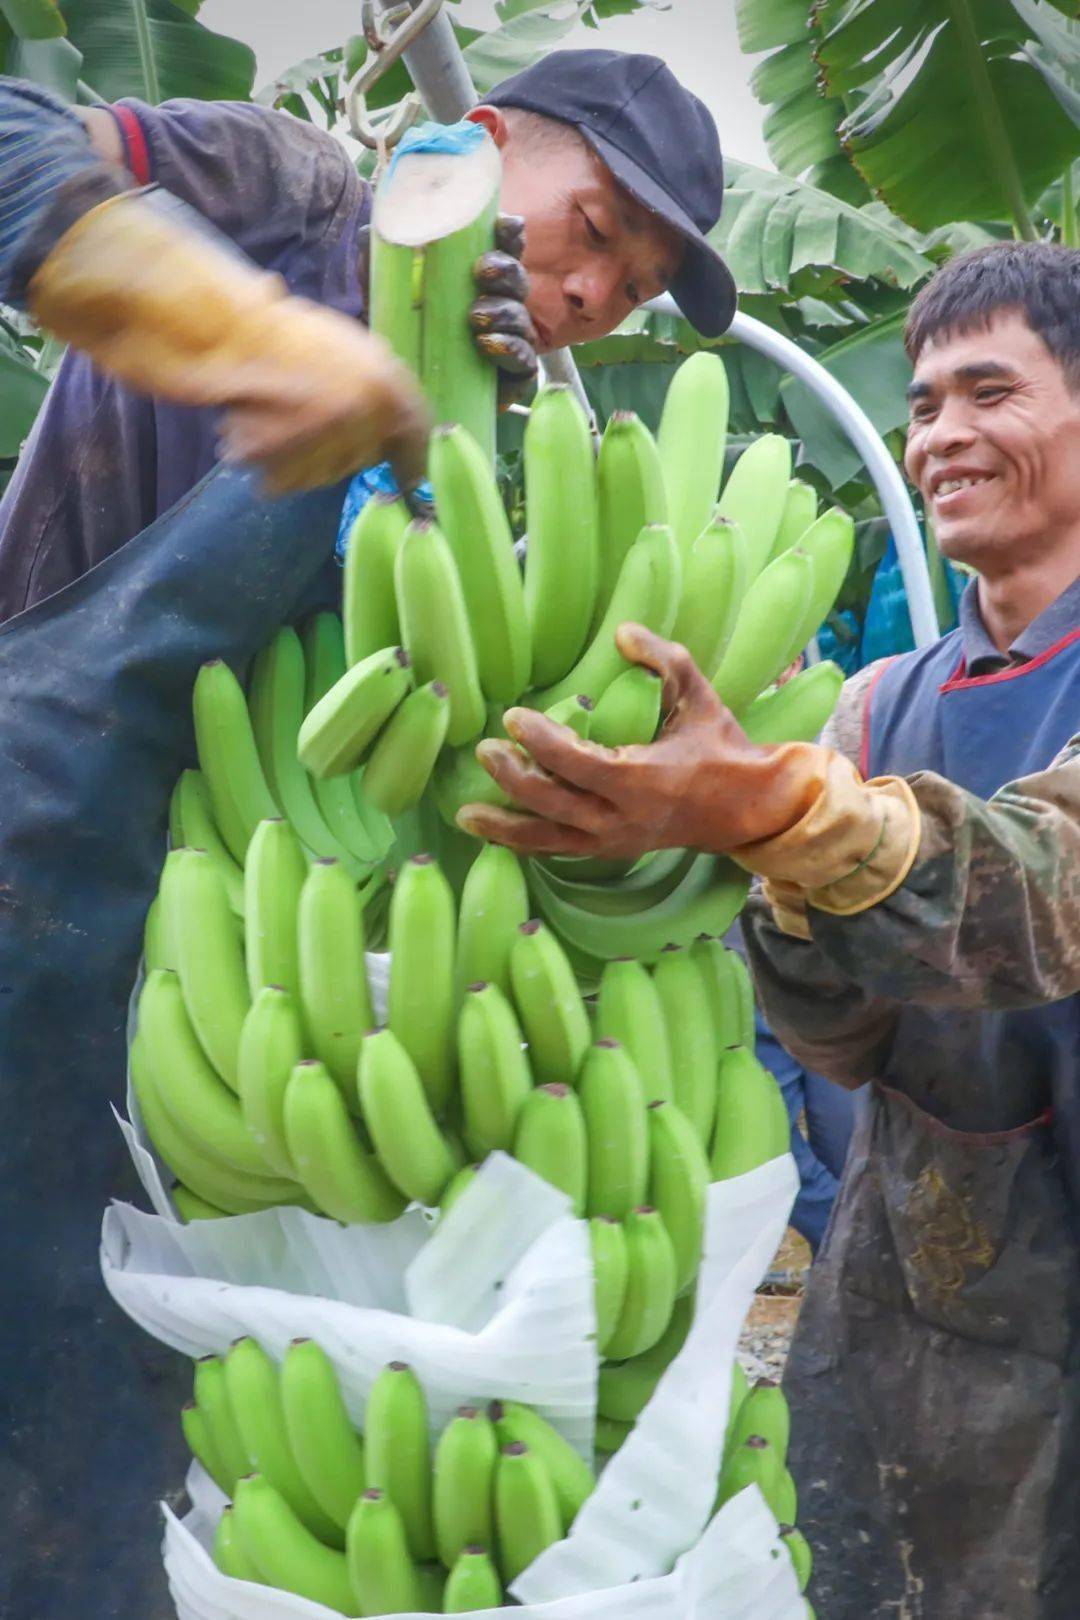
[(852, 848)]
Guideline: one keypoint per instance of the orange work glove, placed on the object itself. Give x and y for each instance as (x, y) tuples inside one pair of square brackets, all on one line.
[(306, 393), (798, 814)]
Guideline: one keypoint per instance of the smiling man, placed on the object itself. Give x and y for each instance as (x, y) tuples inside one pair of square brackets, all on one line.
[(181, 351), (918, 928)]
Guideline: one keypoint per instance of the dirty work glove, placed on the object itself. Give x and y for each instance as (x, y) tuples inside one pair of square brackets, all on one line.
[(798, 814), (306, 394), (500, 317)]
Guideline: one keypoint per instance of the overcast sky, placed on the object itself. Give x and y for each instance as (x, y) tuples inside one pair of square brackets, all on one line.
[(696, 38)]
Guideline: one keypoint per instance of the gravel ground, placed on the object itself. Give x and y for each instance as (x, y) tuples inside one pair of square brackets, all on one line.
[(766, 1335)]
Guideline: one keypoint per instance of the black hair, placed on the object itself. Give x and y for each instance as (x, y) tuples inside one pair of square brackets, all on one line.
[(1039, 280)]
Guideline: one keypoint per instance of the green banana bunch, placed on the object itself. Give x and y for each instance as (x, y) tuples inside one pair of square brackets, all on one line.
[(334, 996), (527, 1515), (435, 626), (630, 1011), (611, 1268), (796, 711), (423, 994), (650, 1285), (463, 1479), (494, 904), (646, 591), (473, 1584), (561, 561), (572, 1478), (339, 1176), (548, 1004), (228, 757), (328, 1451), (254, 1391), (678, 1186), (192, 826), (616, 1130), (629, 710), (715, 580), (627, 1387), (405, 752), (274, 873), (343, 724), (730, 992), (755, 495), (397, 1452), (474, 522), (551, 1141), (630, 495), (752, 1124), (281, 1547), (691, 1035), (494, 1071), (412, 1150), (691, 441), (772, 613), (369, 614)]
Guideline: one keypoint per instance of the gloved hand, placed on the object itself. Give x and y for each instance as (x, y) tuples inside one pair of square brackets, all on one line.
[(500, 316), (306, 393), (796, 813)]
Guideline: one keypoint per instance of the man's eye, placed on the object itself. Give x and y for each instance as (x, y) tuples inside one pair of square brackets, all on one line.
[(989, 396), (595, 233)]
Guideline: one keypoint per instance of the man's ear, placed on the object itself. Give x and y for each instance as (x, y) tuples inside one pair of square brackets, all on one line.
[(493, 121)]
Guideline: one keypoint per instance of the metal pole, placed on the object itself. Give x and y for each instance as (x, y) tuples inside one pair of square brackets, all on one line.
[(883, 470)]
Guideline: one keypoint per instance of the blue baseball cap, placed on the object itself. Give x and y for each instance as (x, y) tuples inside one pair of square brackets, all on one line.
[(660, 143)]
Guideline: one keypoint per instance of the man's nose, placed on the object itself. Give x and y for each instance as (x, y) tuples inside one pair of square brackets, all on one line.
[(952, 429), (591, 291)]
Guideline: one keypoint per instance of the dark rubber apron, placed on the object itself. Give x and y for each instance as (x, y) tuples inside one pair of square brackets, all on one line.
[(934, 1373)]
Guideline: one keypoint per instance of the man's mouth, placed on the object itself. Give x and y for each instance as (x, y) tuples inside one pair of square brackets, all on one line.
[(949, 494)]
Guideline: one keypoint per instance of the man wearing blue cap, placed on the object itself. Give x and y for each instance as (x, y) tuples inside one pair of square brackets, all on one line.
[(181, 353)]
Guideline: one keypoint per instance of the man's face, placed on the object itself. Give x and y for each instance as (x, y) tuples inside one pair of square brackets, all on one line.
[(593, 253), (994, 444)]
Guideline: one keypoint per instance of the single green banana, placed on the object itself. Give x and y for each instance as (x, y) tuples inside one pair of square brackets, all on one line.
[(759, 648), (412, 1150), (463, 1481), (629, 1010), (435, 626), (694, 1052), (274, 874), (234, 1192), (473, 1583), (630, 494), (191, 1093), (754, 1462), (692, 439), (398, 1452), (422, 1001), (192, 825), (740, 1389), (800, 510), (341, 727), (364, 831), (201, 1445), (254, 1390), (551, 1141), (610, 1435), (714, 584), (494, 1071), (328, 1451), (548, 1004), (458, 1184), (334, 997), (616, 1129), (802, 1559), (228, 757), (271, 1045), (785, 1503), (629, 711), (561, 559), (228, 1553), (752, 1124), (830, 545), (730, 991), (626, 1387), (765, 1412), (156, 953), (190, 1207), (342, 1179), (573, 1479), (527, 1517), (494, 903), (646, 592), (610, 1271), (650, 1285), (167, 908), (616, 888), (474, 521), (283, 1549), (278, 702), (678, 1186), (796, 711), (212, 1398), (404, 755), (460, 779), (755, 495), (384, 1576), (575, 712), (369, 615), (210, 959)]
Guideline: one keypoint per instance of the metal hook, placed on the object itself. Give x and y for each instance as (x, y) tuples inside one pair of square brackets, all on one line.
[(403, 25)]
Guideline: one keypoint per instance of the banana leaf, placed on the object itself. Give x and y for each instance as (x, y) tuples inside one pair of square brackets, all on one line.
[(156, 50), (872, 366)]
